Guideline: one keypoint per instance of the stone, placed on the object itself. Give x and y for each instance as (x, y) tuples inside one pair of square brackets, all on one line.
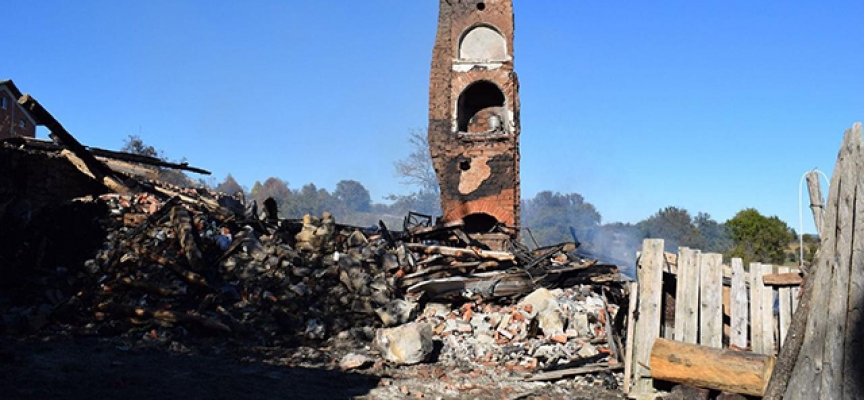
[(355, 361), (436, 310), (579, 323), (587, 350), (551, 321), (405, 345), (397, 312)]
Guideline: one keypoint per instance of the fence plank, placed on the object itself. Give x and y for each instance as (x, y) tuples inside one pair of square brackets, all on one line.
[(687, 296), (767, 305), (628, 358), (756, 341), (649, 273), (711, 300), (738, 312), (785, 294)]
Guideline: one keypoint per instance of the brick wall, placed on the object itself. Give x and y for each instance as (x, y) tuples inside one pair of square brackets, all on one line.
[(478, 170), (12, 116)]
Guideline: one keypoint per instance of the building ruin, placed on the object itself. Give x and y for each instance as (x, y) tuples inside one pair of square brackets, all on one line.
[(474, 116)]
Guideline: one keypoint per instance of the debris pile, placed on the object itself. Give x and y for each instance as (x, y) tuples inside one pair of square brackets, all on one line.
[(164, 265)]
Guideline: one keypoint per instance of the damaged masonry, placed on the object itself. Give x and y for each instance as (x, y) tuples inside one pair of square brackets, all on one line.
[(94, 245)]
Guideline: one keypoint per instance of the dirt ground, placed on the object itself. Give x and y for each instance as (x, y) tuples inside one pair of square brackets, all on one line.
[(98, 368)]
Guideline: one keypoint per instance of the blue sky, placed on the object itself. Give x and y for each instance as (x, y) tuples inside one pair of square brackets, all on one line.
[(713, 106)]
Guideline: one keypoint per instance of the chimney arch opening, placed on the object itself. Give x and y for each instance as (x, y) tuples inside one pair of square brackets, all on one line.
[(477, 97), (479, 223)]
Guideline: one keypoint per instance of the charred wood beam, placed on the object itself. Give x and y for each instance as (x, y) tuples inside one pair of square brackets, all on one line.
[(116, 155), (77, 154), (165, 315), (462, 252)]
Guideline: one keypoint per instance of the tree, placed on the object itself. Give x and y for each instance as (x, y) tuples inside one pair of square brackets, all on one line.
[(417, 171), (711, 235), (135, 145), (757, 238), (229, 186), (352, 196), (550, 216), (674, 225)]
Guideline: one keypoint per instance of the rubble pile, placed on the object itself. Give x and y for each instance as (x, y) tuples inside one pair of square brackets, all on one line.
[(167, 266)]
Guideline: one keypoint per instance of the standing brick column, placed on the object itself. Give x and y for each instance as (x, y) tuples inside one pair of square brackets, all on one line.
[(474, 114)]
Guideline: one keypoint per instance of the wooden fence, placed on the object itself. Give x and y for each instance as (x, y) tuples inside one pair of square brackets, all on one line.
[(693, 297)]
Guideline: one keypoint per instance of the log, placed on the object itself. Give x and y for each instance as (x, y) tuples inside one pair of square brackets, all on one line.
[(461, 252), (783, 279), (187, 235), (720, 369)]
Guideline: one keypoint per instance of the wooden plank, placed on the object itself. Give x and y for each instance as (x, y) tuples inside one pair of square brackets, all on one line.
[(795, 291), (687, 296), (719, 369), (783, 279), (649, 273), (785, 300), (711, 300), (566, 373), (738, 312), (767, 306), (628, 358), (756, 341)]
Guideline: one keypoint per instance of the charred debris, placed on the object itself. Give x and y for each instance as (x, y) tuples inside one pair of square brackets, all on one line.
[(93, 245)]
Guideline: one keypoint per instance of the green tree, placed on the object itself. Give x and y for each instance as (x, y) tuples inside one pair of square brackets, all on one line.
[(135, 145), (712, 235), (757, 238), (229, 186), (674, 225), (352, 196), (550, 216)]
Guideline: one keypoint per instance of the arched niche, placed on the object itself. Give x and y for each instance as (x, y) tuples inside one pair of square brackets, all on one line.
[(483, 43), (479, 223), (477, 97)]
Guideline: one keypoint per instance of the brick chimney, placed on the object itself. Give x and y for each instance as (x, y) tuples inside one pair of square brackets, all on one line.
[(474, 114)]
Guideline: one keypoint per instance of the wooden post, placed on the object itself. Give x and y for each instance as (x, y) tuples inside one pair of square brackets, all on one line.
[(785, 300), (767, 306), (738, 313), (687, 296), (829, 362), (756, 341), (721, 369), (649, 273), (816, 205), (711, 300), (628, 358)]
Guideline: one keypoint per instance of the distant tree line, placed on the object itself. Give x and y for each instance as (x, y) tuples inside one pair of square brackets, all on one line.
[(547, 218)]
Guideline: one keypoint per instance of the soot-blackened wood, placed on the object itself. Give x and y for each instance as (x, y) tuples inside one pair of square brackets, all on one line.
[(78, 154)]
